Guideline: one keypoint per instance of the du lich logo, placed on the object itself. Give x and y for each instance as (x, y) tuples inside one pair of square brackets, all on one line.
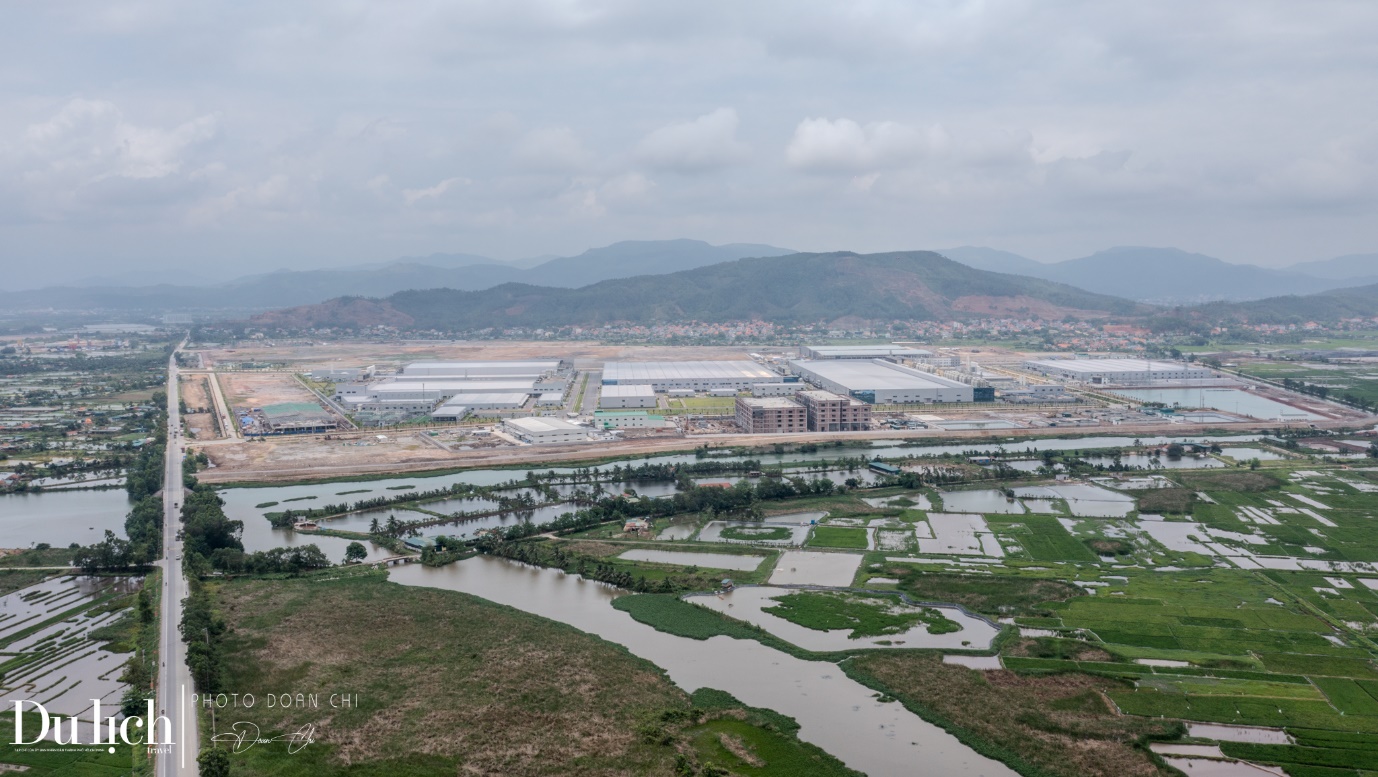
[(104, 730)]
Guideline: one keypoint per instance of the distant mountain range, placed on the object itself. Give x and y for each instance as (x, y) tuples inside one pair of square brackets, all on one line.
[(289, 288), (1325, 307), (1171, 276), (919, 285)]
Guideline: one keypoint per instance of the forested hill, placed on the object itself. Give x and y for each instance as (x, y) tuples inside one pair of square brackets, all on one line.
[(1326, 307), (919, 285)]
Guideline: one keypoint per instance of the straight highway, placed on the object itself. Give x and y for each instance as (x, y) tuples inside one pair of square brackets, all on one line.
[(174, 678)]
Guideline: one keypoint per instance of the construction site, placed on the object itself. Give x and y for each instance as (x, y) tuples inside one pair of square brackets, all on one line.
[(291, 422)]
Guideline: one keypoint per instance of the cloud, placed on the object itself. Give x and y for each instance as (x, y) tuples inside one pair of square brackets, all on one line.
[(706, 143), (846, 147), (412, 196), (552, 150)]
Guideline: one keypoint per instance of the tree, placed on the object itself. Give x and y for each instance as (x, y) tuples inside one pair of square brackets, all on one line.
[(214, 762), (355, 552)]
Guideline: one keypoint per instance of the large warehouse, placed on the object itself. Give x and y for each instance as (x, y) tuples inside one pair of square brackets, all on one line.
[(1117, 371), (618, 397), (480, 370), (880, 382), (695, 376), (538, 431), (893, 352), (484, 385)]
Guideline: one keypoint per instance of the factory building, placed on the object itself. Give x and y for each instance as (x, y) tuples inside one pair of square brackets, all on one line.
[(616, 397), (1118, 371), (777, 389), (629, 419), (881, 382), (288, 418), (826, 411), (691, 376), (891, 352), (480, 370), (770, 415), (450, 411), (542, 431)]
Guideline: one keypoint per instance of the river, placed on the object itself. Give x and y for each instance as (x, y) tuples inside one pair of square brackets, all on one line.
[(834, 712)]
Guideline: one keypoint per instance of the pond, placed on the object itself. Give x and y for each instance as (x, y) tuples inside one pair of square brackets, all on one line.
[(689, 559), (812, 567), (1244, 454), (61, 518), (987, 501), (834, 712), (1084, 500), (750, 603), (741, 530)]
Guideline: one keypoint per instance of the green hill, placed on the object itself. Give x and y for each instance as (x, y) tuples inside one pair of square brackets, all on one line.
[(919, 285)]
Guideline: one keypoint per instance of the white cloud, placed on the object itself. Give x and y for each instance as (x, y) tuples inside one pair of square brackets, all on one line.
[(412, 196), (844, 146), (552, 149), (706, 143)]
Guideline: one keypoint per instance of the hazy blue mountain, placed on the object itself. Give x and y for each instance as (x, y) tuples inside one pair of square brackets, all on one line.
[(1325, 307), (641, 257), (995, 260), (795, 288), (1174, 276), (286, 288), (1352, 267)]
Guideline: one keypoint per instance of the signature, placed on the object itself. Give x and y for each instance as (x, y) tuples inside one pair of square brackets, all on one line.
[(244, 735)]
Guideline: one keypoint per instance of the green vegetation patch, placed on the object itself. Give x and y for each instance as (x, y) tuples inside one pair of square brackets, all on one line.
[(1228, 480), (262, 505), (864, 615), (838, 537), (60, 761), (1054, 725), (985, 594), (757, 533), (428, 660)]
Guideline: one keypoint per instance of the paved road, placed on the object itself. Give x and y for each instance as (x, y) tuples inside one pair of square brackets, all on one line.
[(589, 401), (174, 679)]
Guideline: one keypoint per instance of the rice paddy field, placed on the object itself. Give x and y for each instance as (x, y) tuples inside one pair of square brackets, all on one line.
[(1238, 595)]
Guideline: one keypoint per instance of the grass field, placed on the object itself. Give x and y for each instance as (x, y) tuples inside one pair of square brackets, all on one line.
[(1057, 724), (837, 537), (865, 616), (445, 682)]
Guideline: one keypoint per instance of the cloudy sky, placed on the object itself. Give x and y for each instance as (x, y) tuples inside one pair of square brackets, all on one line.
[(220, 137)]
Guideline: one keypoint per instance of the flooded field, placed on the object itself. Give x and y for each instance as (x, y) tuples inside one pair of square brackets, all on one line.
[(987, 501), (811, 567), (69, 669), (749, 604), (685, 558), (834, 712)]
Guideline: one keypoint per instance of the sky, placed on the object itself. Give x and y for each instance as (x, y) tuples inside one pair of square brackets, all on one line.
[(212, 139)]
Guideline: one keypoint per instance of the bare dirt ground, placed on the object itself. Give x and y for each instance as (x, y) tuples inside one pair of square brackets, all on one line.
[(256, 389), (298, 458), (392, 354), (200, 415)]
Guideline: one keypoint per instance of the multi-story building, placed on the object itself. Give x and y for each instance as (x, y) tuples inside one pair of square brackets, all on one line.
[(770, 415), (829, 412)]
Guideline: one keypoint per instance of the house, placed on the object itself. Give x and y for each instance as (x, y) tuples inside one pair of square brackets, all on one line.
[(636, 525)]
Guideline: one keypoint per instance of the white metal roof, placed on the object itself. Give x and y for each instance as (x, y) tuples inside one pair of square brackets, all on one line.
[(690, 370), (858, 375), (1112, 365), (544, 425), (629, 390)]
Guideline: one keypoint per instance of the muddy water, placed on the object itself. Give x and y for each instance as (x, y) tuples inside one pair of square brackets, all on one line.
[(61, 518), (834, 712), (988, 501), (750, 604), (688, 559)]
